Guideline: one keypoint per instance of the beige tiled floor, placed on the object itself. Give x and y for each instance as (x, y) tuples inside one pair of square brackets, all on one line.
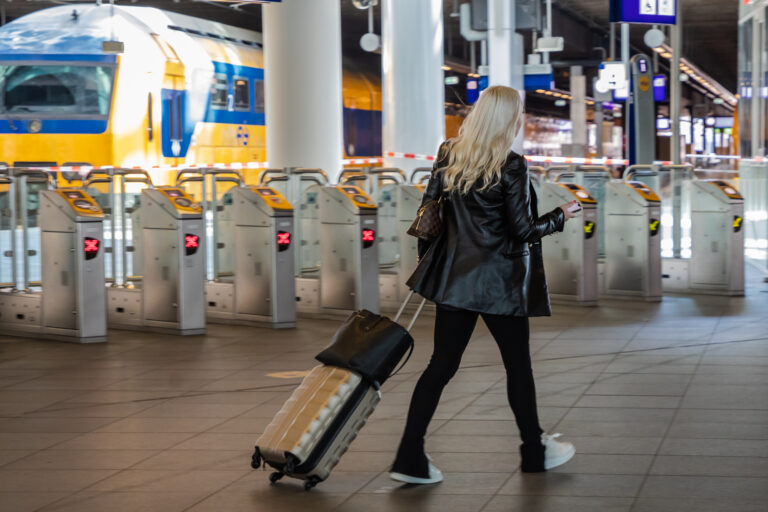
[(667, 405)]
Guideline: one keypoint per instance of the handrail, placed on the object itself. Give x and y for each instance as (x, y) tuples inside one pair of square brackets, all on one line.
[(550, 170), (32, 172), (271, 172), (568, 174), (632, 171), (420, 170), (307, 170), (390, 171), (265, 183), (598, 169), (350, 178), (346, 173), (206, 171)]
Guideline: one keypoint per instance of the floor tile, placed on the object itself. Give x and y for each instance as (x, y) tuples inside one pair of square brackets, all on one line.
[(557, 504), (124, 441), (151, 480), (81, 459), (455, 483), (682, 465), (50, 480), (705, 487), (126, 502), (573, 484), (29, 501), (698, 505)]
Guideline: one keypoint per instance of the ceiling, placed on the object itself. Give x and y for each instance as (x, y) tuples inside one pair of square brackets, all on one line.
[(710, 29), (709, 39)]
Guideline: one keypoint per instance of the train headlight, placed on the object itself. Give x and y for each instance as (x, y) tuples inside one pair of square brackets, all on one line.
[(35, 126)]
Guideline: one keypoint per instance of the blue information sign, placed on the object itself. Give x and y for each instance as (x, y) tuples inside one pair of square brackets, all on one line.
[(663, 12), (660, 88)]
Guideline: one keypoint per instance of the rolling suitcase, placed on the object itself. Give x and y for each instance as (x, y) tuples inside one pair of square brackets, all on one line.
[(316, 425)]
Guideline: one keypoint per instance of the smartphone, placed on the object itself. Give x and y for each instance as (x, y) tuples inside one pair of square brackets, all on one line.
[(575, 208)]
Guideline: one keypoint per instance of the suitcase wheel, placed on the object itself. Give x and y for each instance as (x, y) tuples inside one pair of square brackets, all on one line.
[(256, 459), (311, 483), (274, 477)]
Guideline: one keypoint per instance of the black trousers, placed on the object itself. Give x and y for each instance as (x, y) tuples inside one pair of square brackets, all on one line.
[(453, 329)]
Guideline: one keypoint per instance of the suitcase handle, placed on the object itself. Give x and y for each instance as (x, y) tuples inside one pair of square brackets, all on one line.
[(415, 315), (410, 326)]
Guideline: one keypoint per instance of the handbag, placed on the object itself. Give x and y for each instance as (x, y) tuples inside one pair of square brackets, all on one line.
[(429, 220), (371, 344)]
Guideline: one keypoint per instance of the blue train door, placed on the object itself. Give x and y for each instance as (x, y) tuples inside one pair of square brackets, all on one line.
[(173, 123)]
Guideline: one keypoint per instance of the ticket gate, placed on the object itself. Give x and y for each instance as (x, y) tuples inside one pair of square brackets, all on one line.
[(633, 243), (629, 266), (255, 282), (171, 295), (71, 305), (716, 265), (336, 226), (398, 202), (570, 257), (702, 231), (753, 181)]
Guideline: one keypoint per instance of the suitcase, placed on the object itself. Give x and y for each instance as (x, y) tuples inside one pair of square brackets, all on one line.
[(314, 428)]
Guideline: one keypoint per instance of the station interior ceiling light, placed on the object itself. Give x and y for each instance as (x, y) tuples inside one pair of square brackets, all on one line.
[(709, 86)]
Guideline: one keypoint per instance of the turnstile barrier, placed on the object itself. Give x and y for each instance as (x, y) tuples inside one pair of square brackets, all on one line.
[(70, 306)]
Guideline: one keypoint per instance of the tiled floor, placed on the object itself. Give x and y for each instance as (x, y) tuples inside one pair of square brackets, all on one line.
[(667, 405)]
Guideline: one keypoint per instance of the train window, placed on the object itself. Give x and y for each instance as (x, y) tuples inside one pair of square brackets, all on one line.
[(55, 90), (219, 91), (242, 96), (258, 96)]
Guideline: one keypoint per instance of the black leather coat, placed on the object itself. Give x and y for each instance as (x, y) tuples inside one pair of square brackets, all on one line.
[(488, 255)]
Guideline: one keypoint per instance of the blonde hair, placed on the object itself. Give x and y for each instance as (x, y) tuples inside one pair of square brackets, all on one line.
[(484, 140)]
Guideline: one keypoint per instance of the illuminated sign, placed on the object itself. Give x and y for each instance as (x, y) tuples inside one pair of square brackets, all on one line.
[(369, 237), (589, 229), (660, 88), (654, 227), (283, 241), (191, 244), (90, 247), (737, 223), (663, 12)]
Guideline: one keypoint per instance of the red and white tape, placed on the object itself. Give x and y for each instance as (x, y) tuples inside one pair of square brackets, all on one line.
[(565, 160)]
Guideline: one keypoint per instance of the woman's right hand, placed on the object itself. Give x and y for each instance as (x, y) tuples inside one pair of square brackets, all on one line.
[(567, 210)]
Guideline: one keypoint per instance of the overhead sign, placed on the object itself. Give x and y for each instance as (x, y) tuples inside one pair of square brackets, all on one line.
[(663, 12), (612, 76)]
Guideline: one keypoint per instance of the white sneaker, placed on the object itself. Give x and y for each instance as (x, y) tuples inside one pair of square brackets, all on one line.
[(435, 476), (555, 452)]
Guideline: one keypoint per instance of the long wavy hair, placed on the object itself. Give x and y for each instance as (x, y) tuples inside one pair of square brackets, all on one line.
[(484, 140)]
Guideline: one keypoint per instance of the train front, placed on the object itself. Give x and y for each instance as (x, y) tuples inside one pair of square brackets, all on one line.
[(56, 88)]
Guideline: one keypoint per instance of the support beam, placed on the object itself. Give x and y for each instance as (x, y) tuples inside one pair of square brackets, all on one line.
[(302, 82), (676, 87), (413, 84), (506, 55)]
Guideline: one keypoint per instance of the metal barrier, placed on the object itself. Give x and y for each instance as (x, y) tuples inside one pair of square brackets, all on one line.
[(20, 211), (210, 206), (426, 173), (117, 210)]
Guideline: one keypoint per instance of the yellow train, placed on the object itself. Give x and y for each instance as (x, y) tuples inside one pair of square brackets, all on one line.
[(183, 91)]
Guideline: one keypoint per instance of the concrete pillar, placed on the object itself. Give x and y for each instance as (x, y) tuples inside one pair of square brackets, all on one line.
[(413, 87), (506, 51), (579, 112), (302, 84)]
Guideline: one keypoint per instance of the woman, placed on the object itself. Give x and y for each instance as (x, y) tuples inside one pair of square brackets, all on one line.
[(486, 262)]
